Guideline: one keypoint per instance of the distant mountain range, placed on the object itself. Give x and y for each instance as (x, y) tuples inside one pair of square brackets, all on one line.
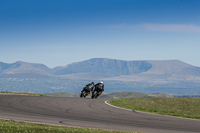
[(166, 71), (144, 74), (24, 69)]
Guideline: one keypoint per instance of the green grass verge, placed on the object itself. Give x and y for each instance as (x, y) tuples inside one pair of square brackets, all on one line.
[(180, 107), (10, 126)]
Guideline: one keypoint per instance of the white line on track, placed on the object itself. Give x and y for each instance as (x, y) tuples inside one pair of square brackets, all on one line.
[(106, 102)]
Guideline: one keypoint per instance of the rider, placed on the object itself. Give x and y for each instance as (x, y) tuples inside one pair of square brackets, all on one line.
[(88, 88), (99, 87)]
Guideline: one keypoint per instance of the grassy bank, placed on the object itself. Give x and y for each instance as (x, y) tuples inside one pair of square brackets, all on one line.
[(110, 96), (10, 126), (181, 107), (21, 93)]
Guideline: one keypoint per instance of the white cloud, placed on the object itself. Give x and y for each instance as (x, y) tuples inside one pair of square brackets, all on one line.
[(172, 27), (162, 27)]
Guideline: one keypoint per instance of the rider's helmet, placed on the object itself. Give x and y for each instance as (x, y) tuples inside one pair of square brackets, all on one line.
[(101, 82)]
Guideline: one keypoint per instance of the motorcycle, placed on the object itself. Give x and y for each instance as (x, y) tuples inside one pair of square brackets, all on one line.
[(84, 93), (94, 95)]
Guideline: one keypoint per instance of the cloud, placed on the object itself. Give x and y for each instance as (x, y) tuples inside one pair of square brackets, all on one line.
[(172, 27), (162, 27)]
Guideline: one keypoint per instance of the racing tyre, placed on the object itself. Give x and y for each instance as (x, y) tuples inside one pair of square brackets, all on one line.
[(94, 95)]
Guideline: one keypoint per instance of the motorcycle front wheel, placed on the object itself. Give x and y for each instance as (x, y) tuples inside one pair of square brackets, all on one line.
[(94, 95)]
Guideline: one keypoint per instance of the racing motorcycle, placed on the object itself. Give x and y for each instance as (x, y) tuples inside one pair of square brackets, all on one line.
[(94, 94), (84, 93)]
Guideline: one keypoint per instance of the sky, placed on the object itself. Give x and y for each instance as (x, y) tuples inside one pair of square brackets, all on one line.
[(61, 32)]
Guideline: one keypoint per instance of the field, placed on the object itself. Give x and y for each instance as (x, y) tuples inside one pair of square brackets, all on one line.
[(10, 126), (180, 107), (110, 96), (21, 93)]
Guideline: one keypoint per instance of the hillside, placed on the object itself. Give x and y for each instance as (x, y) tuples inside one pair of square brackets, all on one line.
[(115, 95), (162, 72), (167, 71), (24, 69), (3, 66), (110, 96), (99, 67), (166, 76)]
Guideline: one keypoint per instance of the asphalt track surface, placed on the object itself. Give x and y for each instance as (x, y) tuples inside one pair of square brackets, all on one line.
[(91, 113)]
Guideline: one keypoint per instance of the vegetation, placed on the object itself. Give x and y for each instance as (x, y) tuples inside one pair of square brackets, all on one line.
[(21, 93), (125, 94), (111, 96), (63, 94), (10, 126), (180, 107)]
